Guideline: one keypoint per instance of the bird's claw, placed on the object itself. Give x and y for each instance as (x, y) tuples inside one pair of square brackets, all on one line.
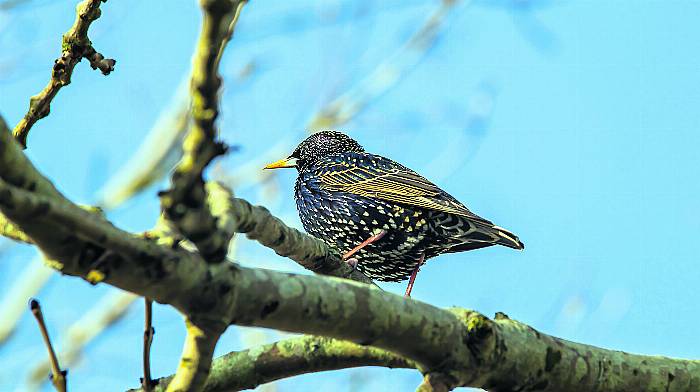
[(352, 262)]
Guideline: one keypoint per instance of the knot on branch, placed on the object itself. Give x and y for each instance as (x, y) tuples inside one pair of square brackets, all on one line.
[(97, 60), (202, 214)]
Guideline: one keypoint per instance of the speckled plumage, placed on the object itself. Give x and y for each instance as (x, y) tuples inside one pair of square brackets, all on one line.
[(345, 195)]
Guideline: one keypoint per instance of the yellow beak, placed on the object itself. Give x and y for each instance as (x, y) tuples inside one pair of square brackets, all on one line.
[(282, 163)]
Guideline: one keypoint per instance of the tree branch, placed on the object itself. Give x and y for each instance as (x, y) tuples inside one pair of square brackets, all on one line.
[(7, 229), (185, 202), (248, 369), (106, 312), (464, 346), (258, 224), (148, 332), (76, 46), (197, 354), (58, 376)]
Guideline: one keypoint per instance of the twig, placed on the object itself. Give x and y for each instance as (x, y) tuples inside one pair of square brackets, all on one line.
[(185, 202), (147, 382), (76, 46), (153, 159), (161, 149), (106, 312), (58, 376)]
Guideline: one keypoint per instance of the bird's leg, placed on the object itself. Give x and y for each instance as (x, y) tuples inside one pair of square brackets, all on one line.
[(364, 243), (412, 280)]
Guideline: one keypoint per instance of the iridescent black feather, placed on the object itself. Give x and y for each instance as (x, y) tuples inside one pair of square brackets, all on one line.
[(344, 195)]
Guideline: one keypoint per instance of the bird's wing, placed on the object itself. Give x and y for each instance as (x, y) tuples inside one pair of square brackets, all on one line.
[(378, 177)]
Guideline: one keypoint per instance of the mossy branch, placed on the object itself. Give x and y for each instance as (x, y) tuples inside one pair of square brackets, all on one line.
[(185, 202), (464, 347), (76, 46), (248, 369), (258, 224)]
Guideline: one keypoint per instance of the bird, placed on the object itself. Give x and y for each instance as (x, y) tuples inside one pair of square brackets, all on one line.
[(386, 219)]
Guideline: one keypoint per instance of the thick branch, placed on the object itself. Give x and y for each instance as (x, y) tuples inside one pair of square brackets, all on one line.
[(76, 46), (248, 369), (464, 346), (185, 202), (258, 224)]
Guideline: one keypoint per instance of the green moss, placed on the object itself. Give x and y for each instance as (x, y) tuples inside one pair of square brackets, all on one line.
[(291, 288)]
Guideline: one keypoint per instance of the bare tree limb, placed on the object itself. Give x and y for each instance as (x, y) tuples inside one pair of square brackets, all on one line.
[(197, 354), (58, 376), (250, 368), (464, 346), (185, 202), (76, 46), (258, 224), (107, 311)]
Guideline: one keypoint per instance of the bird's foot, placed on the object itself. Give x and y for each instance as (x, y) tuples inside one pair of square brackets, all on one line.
[(353, 263)]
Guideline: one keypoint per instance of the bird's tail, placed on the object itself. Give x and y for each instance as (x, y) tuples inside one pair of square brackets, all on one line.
[(483, 234)]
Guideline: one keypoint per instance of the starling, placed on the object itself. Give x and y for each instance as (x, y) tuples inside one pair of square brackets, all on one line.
[(385, 216)]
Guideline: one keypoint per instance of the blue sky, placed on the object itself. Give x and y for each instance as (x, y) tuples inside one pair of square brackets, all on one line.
[(573, 124)]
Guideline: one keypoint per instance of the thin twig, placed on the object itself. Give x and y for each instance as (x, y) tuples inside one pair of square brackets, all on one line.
[(147, 382), (76, 46), (106, 312), (58, 376)]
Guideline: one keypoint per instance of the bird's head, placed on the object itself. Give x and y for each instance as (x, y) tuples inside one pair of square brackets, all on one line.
[(317, 146)]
